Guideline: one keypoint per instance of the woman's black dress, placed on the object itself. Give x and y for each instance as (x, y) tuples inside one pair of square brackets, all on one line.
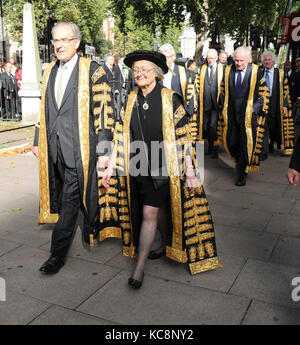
[(151, 123)]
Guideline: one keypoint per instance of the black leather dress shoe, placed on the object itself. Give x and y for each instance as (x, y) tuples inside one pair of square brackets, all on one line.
[(241, 180), (153, 255), (135, 284), (52, 265)]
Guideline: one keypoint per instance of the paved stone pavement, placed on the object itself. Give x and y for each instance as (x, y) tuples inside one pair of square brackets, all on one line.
[(258, 240)]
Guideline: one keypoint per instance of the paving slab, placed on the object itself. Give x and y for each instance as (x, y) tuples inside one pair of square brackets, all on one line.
[(292, 192), (23, 229), (267, 282), (239, 217), (57, 316), (27, 203), (220, 279), (163, 302), (287, 251), (245, 243), (261, 313), (7, 246), (296, 208), (76, 281), (101, 253), (253, 201), (19, 309), (288, 225)]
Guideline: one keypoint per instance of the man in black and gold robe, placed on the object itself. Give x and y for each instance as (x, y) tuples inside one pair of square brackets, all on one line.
[(208, 82), (75, 116), (244, 101), (280, 124)]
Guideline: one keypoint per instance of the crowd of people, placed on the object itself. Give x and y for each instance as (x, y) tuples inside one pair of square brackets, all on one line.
[(10, 84), (119, 142)]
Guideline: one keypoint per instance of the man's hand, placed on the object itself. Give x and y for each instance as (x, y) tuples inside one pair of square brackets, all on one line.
[(293, 177), (35, 150), (285, 110)]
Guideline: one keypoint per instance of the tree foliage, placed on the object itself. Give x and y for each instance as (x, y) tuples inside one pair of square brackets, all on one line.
[(233, 16), (87, 14), (132, 33)]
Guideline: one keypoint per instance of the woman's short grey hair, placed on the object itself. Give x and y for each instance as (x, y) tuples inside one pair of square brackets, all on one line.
[(167, 47), (159, 72), (266, 53), (73, 26)]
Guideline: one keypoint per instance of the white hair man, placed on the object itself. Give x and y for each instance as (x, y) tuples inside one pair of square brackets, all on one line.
[(244, 100), (208, 82), (69, 128), (280, 129), (179, 78)]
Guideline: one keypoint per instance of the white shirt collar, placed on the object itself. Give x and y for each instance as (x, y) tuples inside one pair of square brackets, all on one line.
[(71, 63), (271, 70)]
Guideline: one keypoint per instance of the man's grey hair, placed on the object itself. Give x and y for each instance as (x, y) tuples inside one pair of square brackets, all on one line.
[(212, 52), (267, 53), (159, 72), (73, 26), (107, 57), (244, 50), (167, 47)]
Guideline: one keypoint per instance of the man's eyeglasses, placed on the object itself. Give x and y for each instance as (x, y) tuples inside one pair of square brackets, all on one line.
[(143, 71), (63, 41)]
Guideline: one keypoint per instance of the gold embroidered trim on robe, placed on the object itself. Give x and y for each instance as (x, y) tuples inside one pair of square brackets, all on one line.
[(287, 121), (45, 215)]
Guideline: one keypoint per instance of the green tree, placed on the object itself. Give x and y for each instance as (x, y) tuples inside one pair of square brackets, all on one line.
[(88, 14), (234, 16), (131, 34)]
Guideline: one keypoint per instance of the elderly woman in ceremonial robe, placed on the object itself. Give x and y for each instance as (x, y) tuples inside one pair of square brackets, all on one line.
[(160, 190)]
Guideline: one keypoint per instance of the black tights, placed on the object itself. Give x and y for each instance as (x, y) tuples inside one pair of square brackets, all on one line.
[(152, 217)]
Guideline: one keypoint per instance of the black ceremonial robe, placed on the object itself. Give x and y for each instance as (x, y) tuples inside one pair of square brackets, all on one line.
[(92, 121), (191, 238)]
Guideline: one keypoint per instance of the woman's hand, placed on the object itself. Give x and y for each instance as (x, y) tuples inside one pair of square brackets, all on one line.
[(191, 179), (107, 175), (103, 161)]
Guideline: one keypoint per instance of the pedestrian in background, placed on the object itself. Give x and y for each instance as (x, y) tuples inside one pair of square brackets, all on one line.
[(244, 100)]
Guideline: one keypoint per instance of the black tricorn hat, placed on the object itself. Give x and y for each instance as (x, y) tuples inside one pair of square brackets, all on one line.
[(150, 55)]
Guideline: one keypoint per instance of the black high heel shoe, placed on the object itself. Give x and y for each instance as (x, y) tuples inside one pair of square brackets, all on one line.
[(135, 284)]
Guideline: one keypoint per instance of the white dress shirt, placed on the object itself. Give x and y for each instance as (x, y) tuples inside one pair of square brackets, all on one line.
[(167, 82), (69, 69)]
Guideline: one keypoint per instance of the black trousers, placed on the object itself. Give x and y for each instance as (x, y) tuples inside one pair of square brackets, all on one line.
[(70, 204), (211, 124), (238, 145)]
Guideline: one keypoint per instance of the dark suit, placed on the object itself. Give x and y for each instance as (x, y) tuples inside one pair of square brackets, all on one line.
[(210, 96), (237, 105), (68, 191), (10, 89)]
